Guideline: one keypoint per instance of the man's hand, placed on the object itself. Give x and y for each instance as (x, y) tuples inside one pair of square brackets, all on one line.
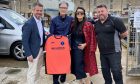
[(82, 46), (30, 58), (123, 35)]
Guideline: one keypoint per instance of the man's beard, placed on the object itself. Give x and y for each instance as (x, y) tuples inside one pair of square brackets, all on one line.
[(102, 18)]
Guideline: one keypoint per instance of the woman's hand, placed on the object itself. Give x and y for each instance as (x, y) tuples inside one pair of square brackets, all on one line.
[(82, 46)]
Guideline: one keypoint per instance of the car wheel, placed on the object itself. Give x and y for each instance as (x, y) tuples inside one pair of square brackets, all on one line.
[(17, 51)]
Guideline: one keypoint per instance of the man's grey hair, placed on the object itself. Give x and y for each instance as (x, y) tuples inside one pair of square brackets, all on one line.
[(37, 4), (101, 6), (64, 2)]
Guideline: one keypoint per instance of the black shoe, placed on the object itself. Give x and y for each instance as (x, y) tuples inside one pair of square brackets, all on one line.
[(91, 82), (63, 78)]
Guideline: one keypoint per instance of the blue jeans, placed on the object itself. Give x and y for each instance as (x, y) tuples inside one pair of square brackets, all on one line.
[(112, 63)]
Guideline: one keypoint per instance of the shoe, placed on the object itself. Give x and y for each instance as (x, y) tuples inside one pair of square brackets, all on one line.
[(64, 83), (91, 82)]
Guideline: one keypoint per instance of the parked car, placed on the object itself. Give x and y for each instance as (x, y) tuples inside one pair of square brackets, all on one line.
[(10, 33)]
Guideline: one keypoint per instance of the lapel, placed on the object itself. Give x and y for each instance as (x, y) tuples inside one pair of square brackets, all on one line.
[(43, 29), (35, 26)]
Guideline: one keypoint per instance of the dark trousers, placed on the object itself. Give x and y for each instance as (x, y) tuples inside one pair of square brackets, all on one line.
[(56, 78), (78, 64), (112, 63)]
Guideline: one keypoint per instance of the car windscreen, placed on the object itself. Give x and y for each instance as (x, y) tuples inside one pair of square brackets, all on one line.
[(14, 17)]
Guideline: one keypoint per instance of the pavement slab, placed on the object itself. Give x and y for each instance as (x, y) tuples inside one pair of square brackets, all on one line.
[(20, 76)]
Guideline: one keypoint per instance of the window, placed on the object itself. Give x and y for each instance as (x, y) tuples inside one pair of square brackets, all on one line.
[(111, 6), (29, 14), (6, 24), (29, 6), (95, 2), (81, 2), (14, 17)]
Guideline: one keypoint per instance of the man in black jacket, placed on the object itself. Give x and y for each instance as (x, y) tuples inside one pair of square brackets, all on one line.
[(109, 31)]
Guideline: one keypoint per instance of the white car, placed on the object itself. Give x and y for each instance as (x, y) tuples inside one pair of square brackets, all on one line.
[(11, 34)]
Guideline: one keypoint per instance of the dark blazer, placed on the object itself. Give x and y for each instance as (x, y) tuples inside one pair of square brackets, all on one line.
[(31, 38)]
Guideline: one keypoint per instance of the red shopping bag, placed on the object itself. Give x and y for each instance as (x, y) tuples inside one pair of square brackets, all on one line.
[(58, 60)]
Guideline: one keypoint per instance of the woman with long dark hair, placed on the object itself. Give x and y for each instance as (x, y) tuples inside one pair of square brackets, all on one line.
[(83, 45)]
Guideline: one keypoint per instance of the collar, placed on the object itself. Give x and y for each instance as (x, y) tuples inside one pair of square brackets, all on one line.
[(62, 17), (109, 16), (36, 19)]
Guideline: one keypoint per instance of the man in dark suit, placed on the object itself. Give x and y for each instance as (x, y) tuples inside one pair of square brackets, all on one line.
[(33, 39)]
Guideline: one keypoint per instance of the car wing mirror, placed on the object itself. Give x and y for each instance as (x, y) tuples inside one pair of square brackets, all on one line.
[(1, 26)]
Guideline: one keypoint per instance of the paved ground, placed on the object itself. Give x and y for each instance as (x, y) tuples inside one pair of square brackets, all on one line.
[(9, 61), (17, 75)]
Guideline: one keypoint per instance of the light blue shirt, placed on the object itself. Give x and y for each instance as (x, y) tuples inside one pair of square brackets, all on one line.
[(40, 29)]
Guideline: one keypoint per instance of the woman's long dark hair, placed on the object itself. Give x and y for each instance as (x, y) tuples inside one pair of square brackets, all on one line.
[(75, 24)]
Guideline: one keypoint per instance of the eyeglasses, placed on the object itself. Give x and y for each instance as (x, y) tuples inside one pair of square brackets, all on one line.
[(79, 13), (63, 7)]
